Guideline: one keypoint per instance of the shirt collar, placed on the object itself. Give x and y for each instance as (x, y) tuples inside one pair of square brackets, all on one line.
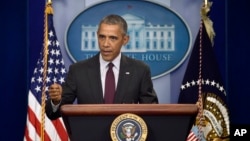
[(116, 61)]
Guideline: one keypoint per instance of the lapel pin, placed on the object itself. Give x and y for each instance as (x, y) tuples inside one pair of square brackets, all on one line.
[(127, 73)]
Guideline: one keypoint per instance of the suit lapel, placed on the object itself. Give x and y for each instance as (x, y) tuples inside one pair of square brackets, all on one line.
[(95, 79), (124, 80)]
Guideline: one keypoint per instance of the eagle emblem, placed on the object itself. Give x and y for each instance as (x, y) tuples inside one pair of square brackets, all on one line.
[(128, 131), (128, 127)]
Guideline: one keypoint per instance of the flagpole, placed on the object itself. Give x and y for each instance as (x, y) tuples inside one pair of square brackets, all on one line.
[(48, 10), (45, 49), (200, 116), (206, 1)]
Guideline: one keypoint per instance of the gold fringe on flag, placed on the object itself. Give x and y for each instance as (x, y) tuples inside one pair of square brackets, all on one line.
[(207, 21)]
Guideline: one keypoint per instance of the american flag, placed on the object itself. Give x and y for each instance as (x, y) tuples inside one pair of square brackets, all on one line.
[(202, 84), (193, 135), (50, 69)]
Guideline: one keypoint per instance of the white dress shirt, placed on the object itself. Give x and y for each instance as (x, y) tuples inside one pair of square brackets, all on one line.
[(104, 69)]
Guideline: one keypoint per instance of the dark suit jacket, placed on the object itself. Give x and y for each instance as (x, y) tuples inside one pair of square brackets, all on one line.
[(84, 83)]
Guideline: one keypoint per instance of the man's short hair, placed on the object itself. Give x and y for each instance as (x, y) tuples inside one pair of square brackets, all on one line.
[(115, 20)]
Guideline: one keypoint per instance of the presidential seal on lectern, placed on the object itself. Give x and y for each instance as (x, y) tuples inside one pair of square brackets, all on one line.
[(128, 127)]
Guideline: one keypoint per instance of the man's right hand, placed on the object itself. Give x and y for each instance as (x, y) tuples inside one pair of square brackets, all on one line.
[(55, 93)]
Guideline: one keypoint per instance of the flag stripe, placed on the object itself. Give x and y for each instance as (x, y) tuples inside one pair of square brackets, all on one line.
[(34, 119), (60, 129), (192, 137)]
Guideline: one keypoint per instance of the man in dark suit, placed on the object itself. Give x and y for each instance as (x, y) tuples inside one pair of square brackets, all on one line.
[(86, 79)]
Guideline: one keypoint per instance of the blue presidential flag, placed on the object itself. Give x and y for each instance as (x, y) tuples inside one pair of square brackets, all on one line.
[(202, 84)]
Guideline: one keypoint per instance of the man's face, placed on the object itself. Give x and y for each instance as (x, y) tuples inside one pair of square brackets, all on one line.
[(110, 40)]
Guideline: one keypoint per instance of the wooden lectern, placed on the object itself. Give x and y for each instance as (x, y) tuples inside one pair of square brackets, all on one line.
[(165, 122)]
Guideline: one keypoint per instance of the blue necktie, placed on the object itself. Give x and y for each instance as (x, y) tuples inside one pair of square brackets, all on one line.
[(109, 85)]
